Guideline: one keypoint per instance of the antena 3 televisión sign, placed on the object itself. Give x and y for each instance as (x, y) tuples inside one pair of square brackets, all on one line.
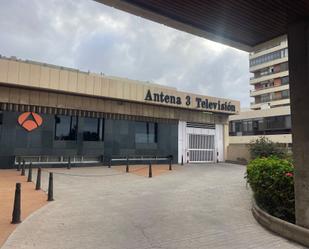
[(191, 101)]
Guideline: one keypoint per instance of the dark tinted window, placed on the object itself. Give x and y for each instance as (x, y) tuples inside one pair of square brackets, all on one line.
[(146, 132), (284, 66), (1, 121), (285, 94), (269, 57), (285, 80), (261, 126), (141, 132), (65, 127), (93, 129), (152, 132)]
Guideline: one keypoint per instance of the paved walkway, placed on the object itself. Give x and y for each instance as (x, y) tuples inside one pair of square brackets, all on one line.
[(205, 206), (31, 200)]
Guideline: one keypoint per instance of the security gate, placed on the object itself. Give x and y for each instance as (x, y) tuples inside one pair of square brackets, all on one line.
[(201, 148)]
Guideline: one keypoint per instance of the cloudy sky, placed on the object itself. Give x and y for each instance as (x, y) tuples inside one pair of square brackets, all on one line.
[(87, 35)]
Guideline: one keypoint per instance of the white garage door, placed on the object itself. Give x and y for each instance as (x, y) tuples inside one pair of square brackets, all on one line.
[(201, 148)]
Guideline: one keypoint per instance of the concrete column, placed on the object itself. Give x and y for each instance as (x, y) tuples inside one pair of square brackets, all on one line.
[(225, 141), (298, 42)]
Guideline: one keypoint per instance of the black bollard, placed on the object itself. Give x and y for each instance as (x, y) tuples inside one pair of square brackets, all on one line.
[(16, 208), (50, 188), (150, 170), (23, 168), (69, 163), (38, 180), (170, 166), (181, 160), (30, 173), (127, 167), (18, 165), (110, 163)]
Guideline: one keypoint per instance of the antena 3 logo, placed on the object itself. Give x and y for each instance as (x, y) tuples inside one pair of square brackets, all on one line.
[(30, 120)]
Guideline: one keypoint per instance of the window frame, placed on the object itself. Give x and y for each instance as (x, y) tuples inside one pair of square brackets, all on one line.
[(147, 133), (63, 138), (99, 129)]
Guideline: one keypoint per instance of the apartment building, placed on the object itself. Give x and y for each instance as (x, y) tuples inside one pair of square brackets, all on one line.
[(269, 113), (270, 81)]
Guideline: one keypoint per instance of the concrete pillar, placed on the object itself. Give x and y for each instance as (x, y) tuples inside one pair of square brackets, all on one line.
[(225, 140), (298, 42)]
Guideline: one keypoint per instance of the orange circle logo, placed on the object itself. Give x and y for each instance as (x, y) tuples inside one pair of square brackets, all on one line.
[(30, 120)]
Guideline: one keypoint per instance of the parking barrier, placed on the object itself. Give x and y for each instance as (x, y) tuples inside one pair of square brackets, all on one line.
[(23, 169), (30, 173), (38, 180), (150, 170), (69, 163), (18, 165), (50, 187), (127, 166), (16, 208)]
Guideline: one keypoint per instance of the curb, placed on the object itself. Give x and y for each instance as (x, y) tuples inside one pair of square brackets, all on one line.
[(283, 228)]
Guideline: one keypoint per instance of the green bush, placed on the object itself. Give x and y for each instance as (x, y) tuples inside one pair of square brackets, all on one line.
[(271, 180), (263, 147)]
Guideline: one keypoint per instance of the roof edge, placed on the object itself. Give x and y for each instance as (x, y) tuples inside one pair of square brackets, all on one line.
[(147, 14)]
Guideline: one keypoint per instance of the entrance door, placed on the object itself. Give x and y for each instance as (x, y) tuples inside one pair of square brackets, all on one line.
[(201, 148)]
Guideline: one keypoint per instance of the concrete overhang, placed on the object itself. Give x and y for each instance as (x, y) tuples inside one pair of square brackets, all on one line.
[(241, 24)]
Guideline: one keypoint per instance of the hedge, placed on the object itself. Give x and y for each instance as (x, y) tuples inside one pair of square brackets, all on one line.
[(272, 182)]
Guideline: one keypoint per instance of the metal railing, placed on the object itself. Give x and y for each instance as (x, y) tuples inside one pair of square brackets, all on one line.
[(45, 160), (264, 88), (139, 158)]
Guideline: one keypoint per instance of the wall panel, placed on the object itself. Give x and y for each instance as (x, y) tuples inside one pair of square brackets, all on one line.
[(4, 69), (44, 77), (54, 78), (35, 71), (13, 72), (63, 80), (24, 73)]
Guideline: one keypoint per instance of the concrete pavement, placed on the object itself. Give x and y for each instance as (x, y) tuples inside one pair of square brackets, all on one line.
[(199, 206)]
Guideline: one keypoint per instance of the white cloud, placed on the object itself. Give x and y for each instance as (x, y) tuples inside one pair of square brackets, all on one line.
[(87, 35)]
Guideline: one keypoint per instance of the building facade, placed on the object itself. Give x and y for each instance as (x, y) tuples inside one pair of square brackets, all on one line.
[(269, 66), (49, 114), (269, 113)]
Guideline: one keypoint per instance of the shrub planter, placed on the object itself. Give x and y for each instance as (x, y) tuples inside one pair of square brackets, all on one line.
[(281, 227)]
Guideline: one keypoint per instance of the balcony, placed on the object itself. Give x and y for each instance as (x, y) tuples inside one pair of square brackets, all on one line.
[(268, 49), (271, 103), (266, 74), (282, 74), (270, 89), (268, 64), (271, 99)]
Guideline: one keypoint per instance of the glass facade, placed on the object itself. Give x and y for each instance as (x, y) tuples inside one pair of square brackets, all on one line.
[(62, 136), (261, 126), (66, 127), (93, 129), (146, 132), (1, 121), (269, 57)]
